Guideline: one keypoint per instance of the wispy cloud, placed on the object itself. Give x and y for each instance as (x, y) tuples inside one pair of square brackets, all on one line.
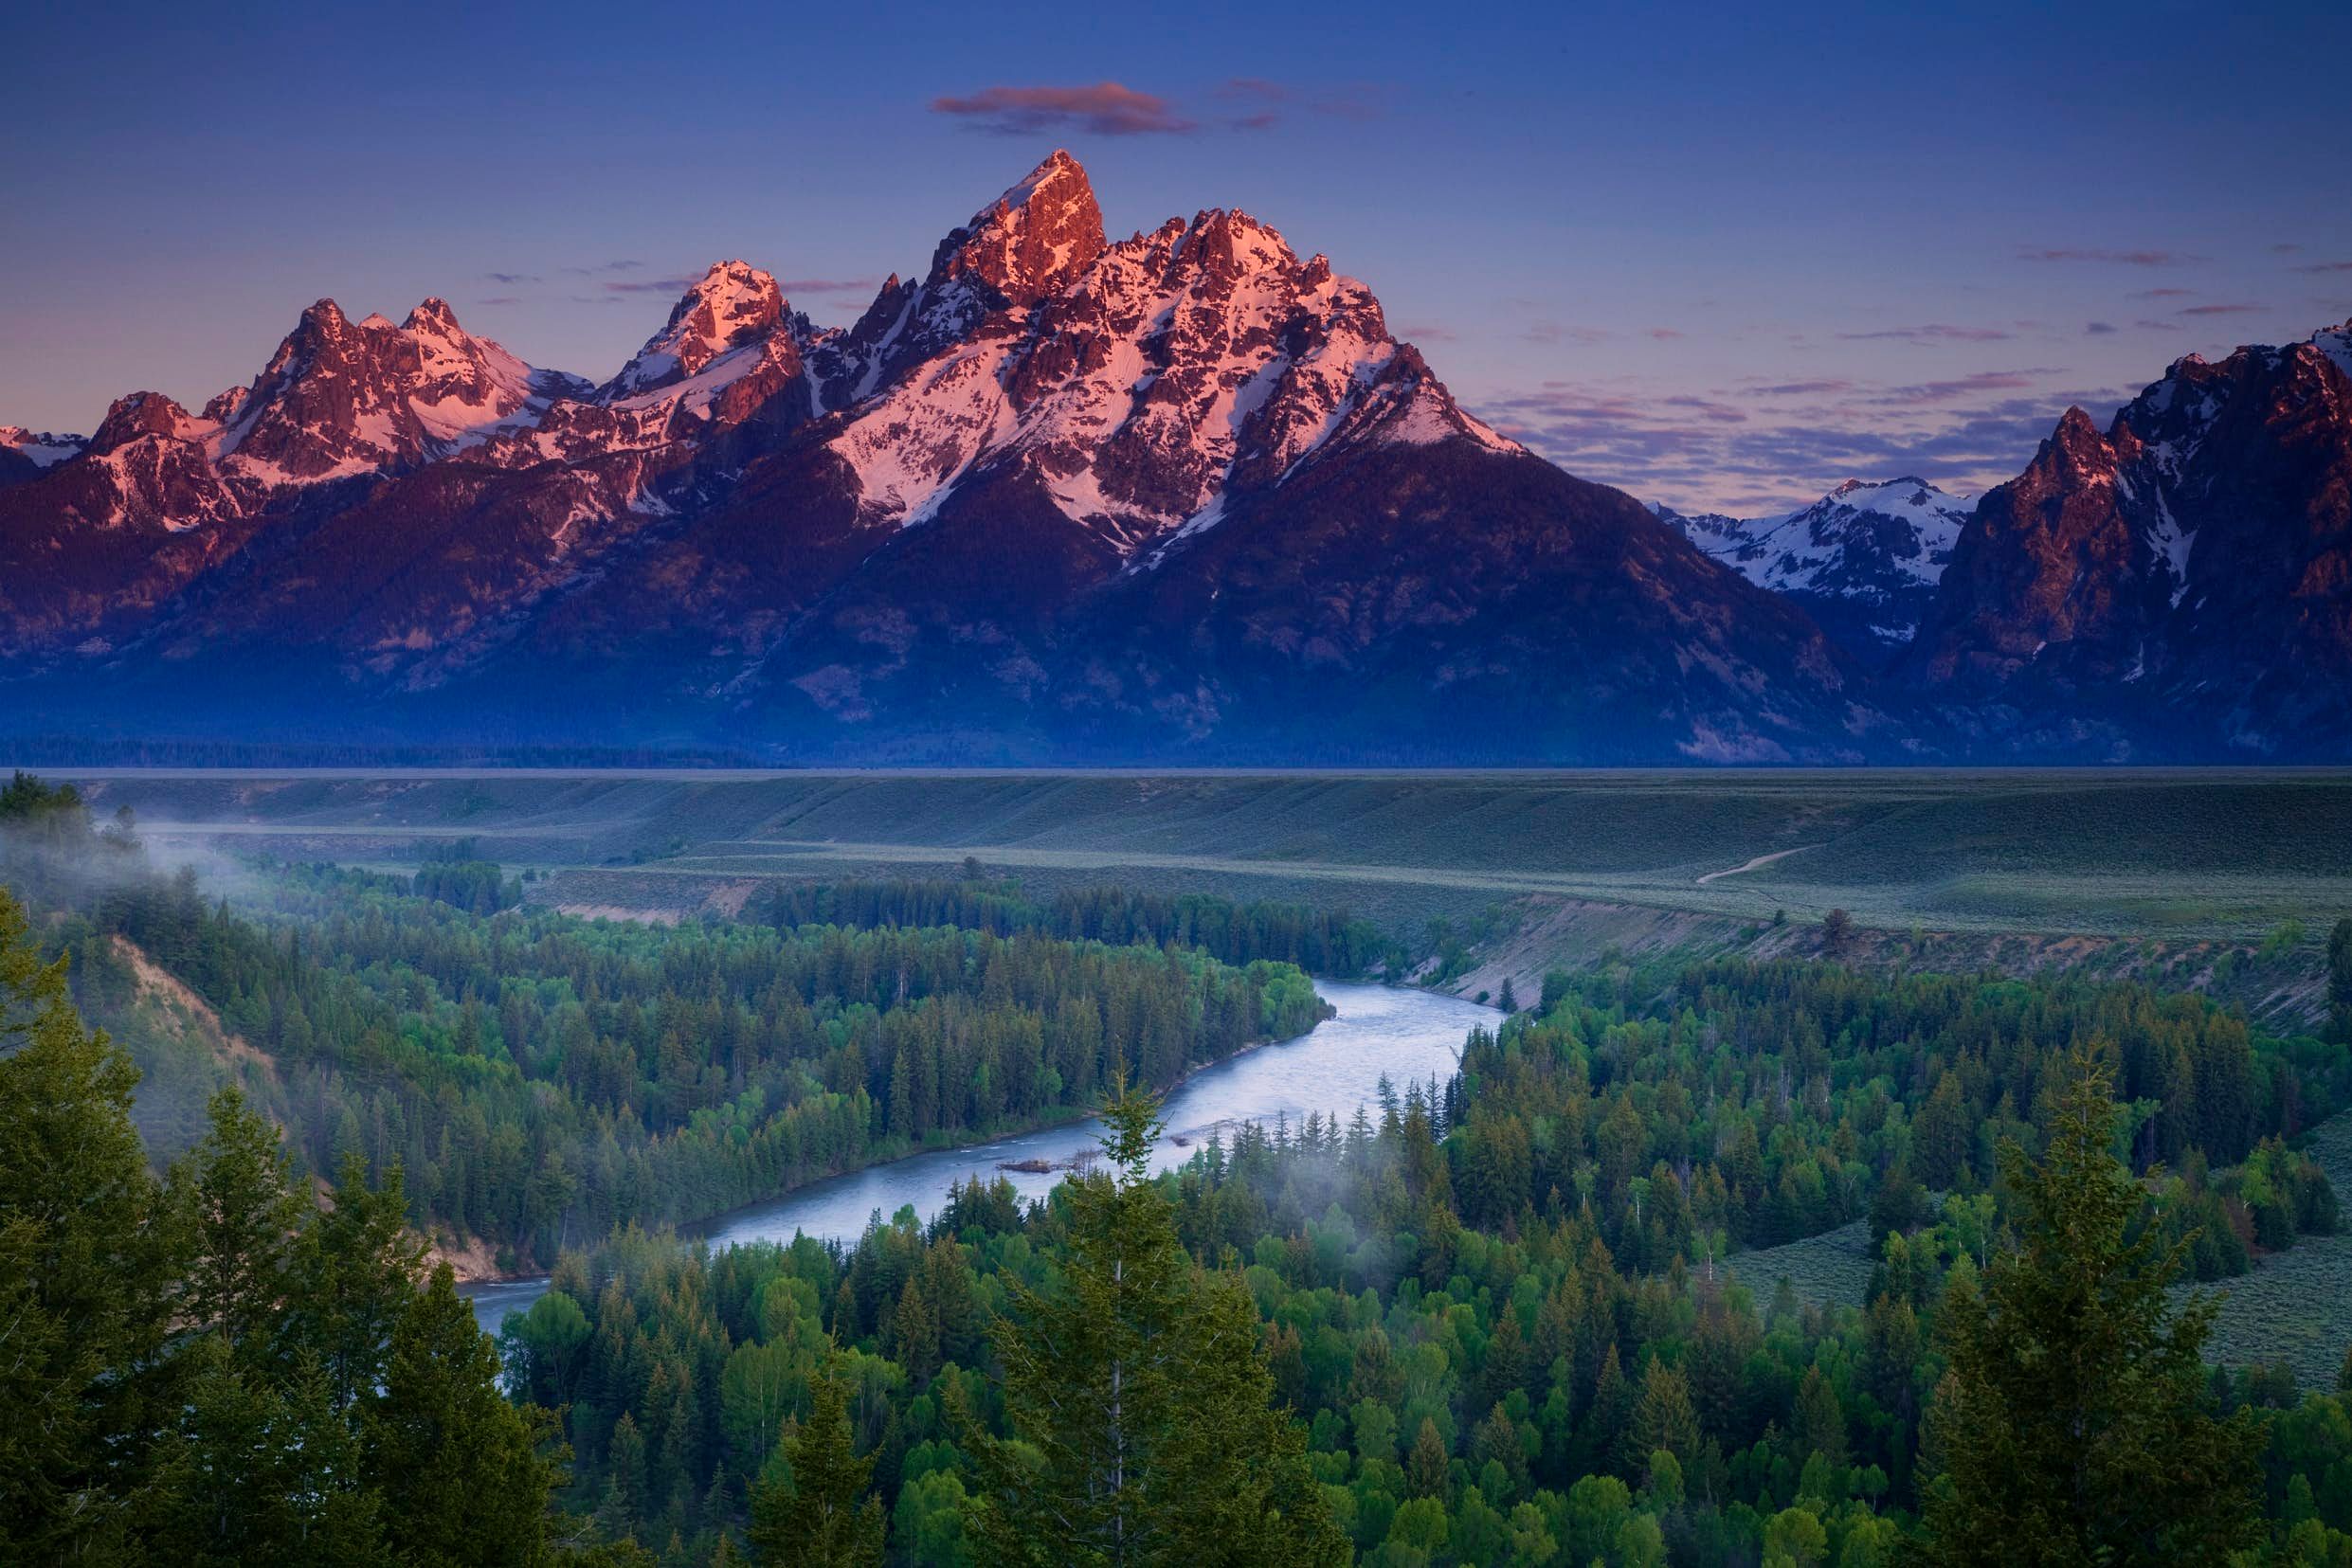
[(828, 285), (2221, 310), (1103, 109), (1767, 446), (651, 286), (500, 299), (1934, 332), (1560, 332), (1803, 388), (601, 268), (2098, 329), (2096, 253), (1257, 104), (2161, 294), (511, 279), (2325, 266), (1961, 387)]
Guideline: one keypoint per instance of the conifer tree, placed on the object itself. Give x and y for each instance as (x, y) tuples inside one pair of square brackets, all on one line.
[(247, 1212), (827, 1519), (1139, 1395), (1426, 1467), (2069, 1424), (89, 1259), (461, 1470)]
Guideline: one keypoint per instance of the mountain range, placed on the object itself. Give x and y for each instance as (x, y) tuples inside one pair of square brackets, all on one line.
[(1180, 496)]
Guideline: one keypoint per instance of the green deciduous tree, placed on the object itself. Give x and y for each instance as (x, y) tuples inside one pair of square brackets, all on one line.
[(2070, 1425)]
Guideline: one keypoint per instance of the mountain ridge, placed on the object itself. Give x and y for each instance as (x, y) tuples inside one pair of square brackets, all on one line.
[(1060, 497)]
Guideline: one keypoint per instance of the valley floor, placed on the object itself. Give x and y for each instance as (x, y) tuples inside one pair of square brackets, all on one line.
[(2194, 877)]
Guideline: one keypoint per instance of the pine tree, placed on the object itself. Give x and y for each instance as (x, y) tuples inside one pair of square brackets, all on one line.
[(89, 1258), (1663, 1417), (461, 1470), (240, 1190), (1140, 1395), (827, 1519), (354, 1272), (1426, 1467), (1836, 933), (2069, 1424)]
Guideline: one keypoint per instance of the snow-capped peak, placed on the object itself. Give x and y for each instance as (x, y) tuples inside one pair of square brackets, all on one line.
[(2336, 344), (1033, 239), (1872, 548), (1163, 373), (342, 398), (731, 305)]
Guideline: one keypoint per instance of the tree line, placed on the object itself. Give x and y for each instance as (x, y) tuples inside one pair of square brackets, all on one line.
[(541, 1079)]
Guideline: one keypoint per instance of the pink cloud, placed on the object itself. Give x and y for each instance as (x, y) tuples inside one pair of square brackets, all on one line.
[(1934, 332), (1106, 109)]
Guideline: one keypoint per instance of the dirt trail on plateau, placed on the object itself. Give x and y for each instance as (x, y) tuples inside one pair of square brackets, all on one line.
[(1760, 860)]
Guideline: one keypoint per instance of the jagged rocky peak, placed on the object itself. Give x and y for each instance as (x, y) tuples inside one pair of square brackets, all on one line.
[(1031, 241), (2077, 448), (1863, 560), (731, 305), (143, 414), (1162, 371), (342, 398), (226, 405)]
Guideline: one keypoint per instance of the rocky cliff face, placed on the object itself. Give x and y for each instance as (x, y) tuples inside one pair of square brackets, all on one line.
[(2182, 580)]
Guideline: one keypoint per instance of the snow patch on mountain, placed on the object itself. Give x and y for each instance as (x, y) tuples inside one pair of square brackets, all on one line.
[(1873, 551), (41, 448), (1174, 366), (731, 305)]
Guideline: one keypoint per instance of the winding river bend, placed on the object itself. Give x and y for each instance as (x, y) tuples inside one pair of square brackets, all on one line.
[(1409, 1036)]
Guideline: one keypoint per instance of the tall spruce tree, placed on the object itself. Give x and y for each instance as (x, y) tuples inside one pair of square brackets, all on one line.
[(90, 1254), (240, 1189), (2070, 1425), (827, 1519), (465, 1476), (1139, 1395)]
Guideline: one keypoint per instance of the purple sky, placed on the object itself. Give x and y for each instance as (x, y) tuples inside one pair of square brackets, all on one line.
[(1721, 257)]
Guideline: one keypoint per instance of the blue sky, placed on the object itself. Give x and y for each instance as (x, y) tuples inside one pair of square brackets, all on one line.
[(1722, 257)]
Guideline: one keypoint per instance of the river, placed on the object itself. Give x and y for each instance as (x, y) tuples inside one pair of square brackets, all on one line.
[(1410, 1036)]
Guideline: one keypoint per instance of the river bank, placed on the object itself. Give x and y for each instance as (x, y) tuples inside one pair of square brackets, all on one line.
[(1399, 1034)]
